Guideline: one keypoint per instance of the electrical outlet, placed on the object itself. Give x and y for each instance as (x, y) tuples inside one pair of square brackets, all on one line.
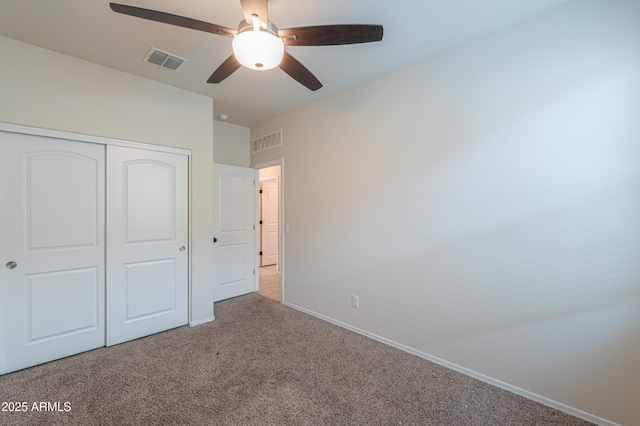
[(355, 301)]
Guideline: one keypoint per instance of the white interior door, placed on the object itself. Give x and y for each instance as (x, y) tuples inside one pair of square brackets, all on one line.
[(234, 227), (269, 222), (51, 249), (147, 242)]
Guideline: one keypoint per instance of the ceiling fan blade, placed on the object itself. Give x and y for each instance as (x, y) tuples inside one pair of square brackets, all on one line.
[(331, 35), (168, 18), (228, 67), (255, 7), (299, 72)]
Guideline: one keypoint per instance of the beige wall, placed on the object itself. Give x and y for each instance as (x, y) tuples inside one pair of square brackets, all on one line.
[(232, 144), (41, 88), (484, 205)]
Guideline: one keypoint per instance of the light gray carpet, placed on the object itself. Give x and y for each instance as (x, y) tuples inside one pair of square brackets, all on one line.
[(261, 363)]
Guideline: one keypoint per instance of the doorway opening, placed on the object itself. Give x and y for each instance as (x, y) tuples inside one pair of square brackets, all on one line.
[(270, 283)]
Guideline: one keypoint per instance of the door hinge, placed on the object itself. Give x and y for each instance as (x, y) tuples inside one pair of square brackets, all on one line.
[(254, 226), (260, 222), (261, 191), (260, 253), (254, 271)]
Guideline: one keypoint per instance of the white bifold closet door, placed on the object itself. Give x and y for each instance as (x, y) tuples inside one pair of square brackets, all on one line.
[(51, 249), (147, 243)]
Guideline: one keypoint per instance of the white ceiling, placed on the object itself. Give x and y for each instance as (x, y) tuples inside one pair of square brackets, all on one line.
[(413, 30)]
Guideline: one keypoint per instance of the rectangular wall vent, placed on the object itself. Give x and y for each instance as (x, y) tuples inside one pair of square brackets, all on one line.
[(165, 59), (267, 142)]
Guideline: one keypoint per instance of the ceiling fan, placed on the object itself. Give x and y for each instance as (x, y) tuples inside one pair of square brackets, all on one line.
[(258, 44)]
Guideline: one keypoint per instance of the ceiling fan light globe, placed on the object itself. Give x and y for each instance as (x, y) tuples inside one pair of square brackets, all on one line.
[(258, 50)]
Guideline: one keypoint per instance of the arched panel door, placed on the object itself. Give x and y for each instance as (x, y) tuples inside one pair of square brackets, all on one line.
[(147, 243), (51, 249), (234, 211)]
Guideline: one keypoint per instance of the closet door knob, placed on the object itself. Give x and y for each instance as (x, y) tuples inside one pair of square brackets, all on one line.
[(11, 265), (182, 248)]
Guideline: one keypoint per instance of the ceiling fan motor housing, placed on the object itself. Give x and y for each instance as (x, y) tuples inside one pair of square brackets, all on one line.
[(248, 26)]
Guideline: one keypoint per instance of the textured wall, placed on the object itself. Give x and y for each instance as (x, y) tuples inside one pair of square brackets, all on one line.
[(232, 144), (484, 204)]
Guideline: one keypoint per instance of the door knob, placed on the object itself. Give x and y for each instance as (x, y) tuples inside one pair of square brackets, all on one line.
[(182, 248), (215, 240), (11, 265)]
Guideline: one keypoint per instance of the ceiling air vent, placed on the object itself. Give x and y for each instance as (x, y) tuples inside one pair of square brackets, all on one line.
[(267, 142), (165, 59)]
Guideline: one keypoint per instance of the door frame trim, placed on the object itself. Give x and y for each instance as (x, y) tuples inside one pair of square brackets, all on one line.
[(258, 166)]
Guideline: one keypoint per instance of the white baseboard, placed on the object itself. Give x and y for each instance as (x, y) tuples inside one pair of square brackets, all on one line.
[(497, 383), (202, 321)]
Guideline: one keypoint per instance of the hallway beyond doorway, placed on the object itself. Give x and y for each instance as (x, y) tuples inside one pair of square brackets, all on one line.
[(270, 282)]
